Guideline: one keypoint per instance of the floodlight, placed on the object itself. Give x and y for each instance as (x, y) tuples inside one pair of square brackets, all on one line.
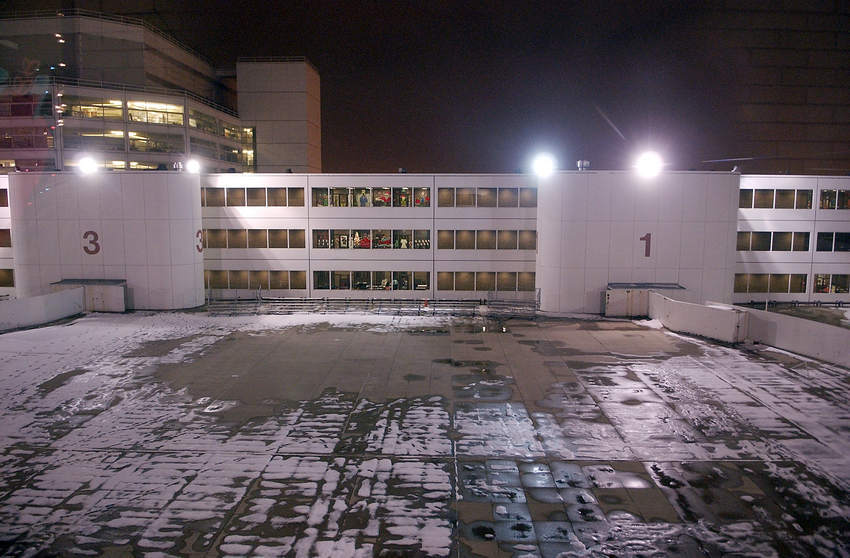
[(87, 165), (649, 164), (543, 165)]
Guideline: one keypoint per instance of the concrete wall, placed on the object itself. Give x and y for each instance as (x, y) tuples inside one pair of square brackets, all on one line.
[(590, 226), (6, 257), (144, 227), (805, 337), (25, 312), (721, 322)]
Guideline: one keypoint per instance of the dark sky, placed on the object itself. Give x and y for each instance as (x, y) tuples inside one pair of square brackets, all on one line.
[(480, 86)]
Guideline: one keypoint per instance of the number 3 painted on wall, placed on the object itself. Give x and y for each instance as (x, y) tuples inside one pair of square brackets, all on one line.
[(200, 245), (94, 245)]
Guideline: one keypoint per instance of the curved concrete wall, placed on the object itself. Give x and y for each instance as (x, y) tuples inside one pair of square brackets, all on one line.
[(143, 227), (596, 228)]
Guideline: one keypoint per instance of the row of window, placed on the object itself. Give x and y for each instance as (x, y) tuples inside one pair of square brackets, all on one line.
[(833, 242), (485, 281), (487, 240), (252, 197), (487, 197), (372, 238), (792, 199), (835, 283), (26, 138), (371, 197), (25, 105), (224, 279), (372, 280), (780, 241), (770, 283), (254, 238)]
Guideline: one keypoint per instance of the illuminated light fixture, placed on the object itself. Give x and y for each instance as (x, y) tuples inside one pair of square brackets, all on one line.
[(543, 165), (193, 166), (87, 165), (58, 35), (61, 40), (649, 164), (61, 64), (59, 94)]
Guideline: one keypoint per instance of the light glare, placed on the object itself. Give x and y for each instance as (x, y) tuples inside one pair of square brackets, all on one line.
[(543, 165), (87, 165), (649, 164), (193, 166)]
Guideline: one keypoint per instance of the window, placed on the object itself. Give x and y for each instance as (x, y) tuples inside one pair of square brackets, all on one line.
[(155, 143), (401, 281), (298, 279), (827, 199), (508, 240), (785, 199), (340, 238), (258, 238), (525, 281), (487, 197), (842, 242), (421, 280), (361, 198), (279, 280), (339, 197), (824, 242), (203, 147), (214, 197), (382, 238), (155, 113), (508, 197), (401, 197), (237, 238), (258, 279), (203, 122), (321, 238), (464, 281), (7, 278), (257, 197), (296, 197), (321, 280), (821, 283), (465, 197), (836, 284), (804, 199), (381, 197), (217, 278), (528, 240), (781, 242), (276, 197), (760, 242), (528, 197), (76, 106), (360, 280), (402, 240), (422, 197), (840, 284), (446, 240), (801, 242), (743, 243), (740, 282), (381, 280), (235, 197), (42, 138), (238, 279), (320, 197), (465, 240), (341, 280), (486, 240), (778, 282), (798, 283), (361, 239), (445, 281), (216, 238), (485, 281), (745, 199), (506, 281), (446, 197), (278, 238), (5, 238), (763, 199), (422, 240), (758, 282), (297, 239), (4, 197), (843, 199)]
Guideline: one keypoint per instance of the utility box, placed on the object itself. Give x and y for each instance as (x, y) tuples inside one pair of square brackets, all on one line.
[(101, 295), (631, 300)]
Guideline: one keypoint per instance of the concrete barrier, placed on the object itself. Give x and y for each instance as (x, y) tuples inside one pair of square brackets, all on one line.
[(715, 321), (799, 335), (35, 310)]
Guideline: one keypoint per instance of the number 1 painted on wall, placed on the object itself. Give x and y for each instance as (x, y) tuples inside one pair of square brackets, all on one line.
[(648, 239)]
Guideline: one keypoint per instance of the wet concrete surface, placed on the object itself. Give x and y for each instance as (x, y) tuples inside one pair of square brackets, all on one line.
[(201, 436)]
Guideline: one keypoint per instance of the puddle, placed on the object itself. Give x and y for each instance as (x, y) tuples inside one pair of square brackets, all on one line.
[(59, 380)]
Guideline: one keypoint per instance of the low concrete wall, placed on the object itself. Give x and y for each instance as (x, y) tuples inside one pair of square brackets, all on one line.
[(798, 335), (721, 322), (35, 310)]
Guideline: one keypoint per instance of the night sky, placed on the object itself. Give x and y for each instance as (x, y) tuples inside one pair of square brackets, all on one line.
[(481, 86)]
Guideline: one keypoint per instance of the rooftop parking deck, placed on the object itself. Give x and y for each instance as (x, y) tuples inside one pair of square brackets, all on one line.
[(361, 435)]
